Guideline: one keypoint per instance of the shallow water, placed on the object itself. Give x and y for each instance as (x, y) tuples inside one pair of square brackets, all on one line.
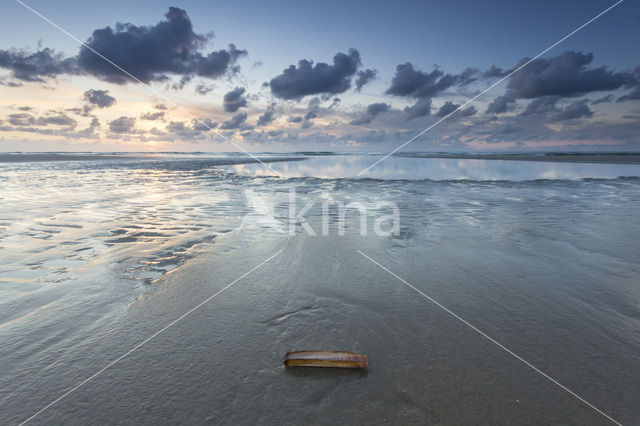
[(96, 256)]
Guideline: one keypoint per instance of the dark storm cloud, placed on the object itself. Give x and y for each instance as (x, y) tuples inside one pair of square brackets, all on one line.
[(151, 116), (236, 122), (365, 77), (501, 104), (122, 125), (151, 52), (410, 82), (543, 105), (36, 66), (100, 98), (421, 108), (309, 79), (578, 109), (234, 100), (565, 75), (269, 115), (295, 119), (372, 111)]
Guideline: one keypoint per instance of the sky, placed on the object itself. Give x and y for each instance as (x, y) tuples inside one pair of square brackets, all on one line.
[(319, 76)]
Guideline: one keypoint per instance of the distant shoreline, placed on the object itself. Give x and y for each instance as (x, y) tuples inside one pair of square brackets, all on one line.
[(600, 158), (605, 158), (45, 157)]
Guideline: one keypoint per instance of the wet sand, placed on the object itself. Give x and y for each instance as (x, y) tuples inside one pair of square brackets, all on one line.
[(223, 363)]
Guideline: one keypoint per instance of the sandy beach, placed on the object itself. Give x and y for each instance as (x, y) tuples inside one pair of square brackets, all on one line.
[(536, 265)]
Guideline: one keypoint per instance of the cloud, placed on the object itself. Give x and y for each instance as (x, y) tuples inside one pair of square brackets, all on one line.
[(59, 119), (149, 53), (151, 116), (236, 121), (313, 109), (421, 108), (309, 79), (632, 96), (99, 98), (203, 89), (602, 100), (635, 93), (36, 66), (161, 107), (494, 72), (543, 105), (564, 75), (269, 115), (410, 82), (176, 126), (295, 119), (122, 125), (372, 111), (446, 109), (501, 104), (467, 76), (203, 125), (365, 77), (22, 119), (578, 109), (468, 111), (234, 100)]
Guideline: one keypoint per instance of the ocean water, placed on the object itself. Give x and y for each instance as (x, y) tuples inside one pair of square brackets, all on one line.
[(98, 255)]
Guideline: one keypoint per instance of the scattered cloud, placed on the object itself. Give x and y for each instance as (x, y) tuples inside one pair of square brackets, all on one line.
[(99, 98), (564, 75), (410, 82), (151, 116), (234, 100), (122, 125), (501, 104), (577, 109), (236, 122), (365, 77), (268, 116), (37, 66), (151, 53), (446, 109), (22, 119), (305, 79), (421, 108), (543, 105), (371, 112), (203, 89)]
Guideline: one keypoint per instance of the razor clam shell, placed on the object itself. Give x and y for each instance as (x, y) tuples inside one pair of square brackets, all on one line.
[(336, 359)]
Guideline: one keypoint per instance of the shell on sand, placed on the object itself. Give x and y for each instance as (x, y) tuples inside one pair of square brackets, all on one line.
[(336, 359)]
